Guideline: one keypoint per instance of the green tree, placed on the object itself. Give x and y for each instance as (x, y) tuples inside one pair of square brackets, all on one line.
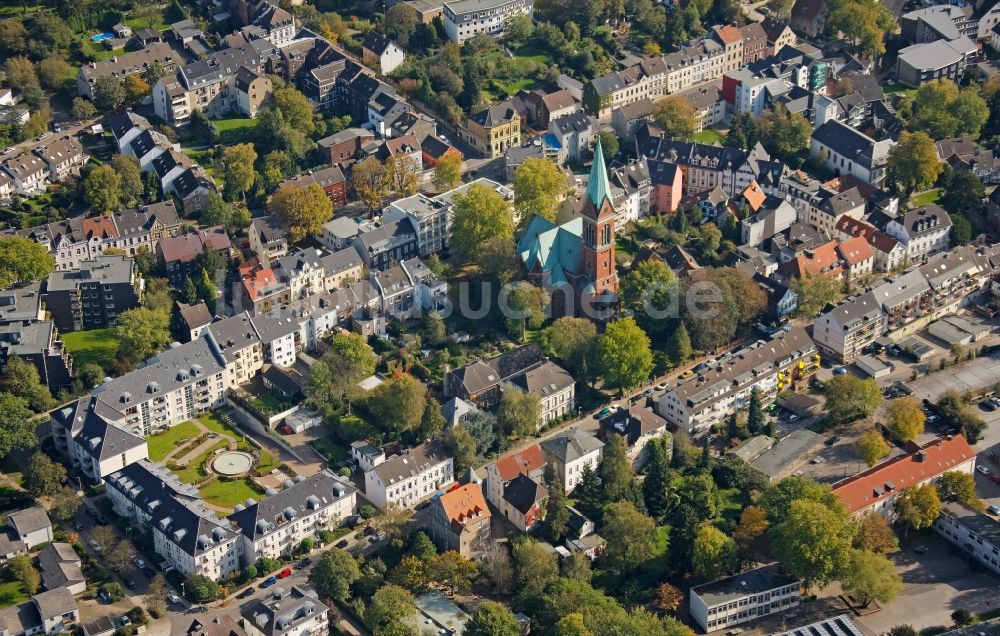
[(539, 185), (734, 304), (303, 211), (918, 507), (609, 144), (679, 345), (480, 214), (401, 175), (448, 172), (52, 72), (534, 567), (958, 486), (216, 210), (784, 134), (813, 293), (677, 117), (871, 447), (82, 109), (42, 476), (755, 413), (387, 610), (127, 168), (631, 536), (903, 630), (874, 534), (905, 418), (649, 292), (849, 398), (525, 307), (461, 445), (572, 625), (624, 358), (21, 569), (400, 22), (492, 619), (102, 189), (517, 29), (577, 567), (23, 261), (615, 470), (518, 412), (17, 430), (398, 405), (334, 574), (572, 341), (237, 169), (871, 577), (65, 505), (153, 72), (812, 543), (21, 378), (207, 290), (657, 494), (713, 553), (109, 93), (142, 332), (778, 498), (294, 107), (942, 110), (432, 422), (964, 192), (156, 596), (370, 182), (913, 164)]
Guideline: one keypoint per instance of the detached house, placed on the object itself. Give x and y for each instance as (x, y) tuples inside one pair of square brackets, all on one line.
[(845, 150), (495, 129), (569, 454), (380, 52), (637, 425), (64, 157), (460, 521)]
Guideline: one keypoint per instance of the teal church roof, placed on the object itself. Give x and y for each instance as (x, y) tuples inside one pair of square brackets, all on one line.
[(556, 249), (598, 186)]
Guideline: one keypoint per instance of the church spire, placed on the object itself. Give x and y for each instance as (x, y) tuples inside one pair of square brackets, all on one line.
[(597, 185)]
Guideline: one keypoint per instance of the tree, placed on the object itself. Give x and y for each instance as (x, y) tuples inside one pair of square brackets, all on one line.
[(237, 169), (142, 332), (400, 22), (958, 486), (42, 476), (871, 447), (609, 144), (649, 292), (518, 412), (432, 422), (572, 625), (782, 133), (385, 613), (631, 536), (871, 577), (942, 110), (21, 378), (812, 543), (918, 507), (913, 164), (216, 210), (903, 630), (277, 166), (539, 185), (496, 567), (392, 521), (203, 128), (461, 445), (295, 109), (131, 188), (102, 189), (624, 358), (23, 260), (755, 413), (668, 598), (713, 553), (577, 567), (156, 596), (153, 72), (751, 527), (121, 555), (813, 293), (572, 341), (778, 498), (17, 430), (517, 29), (492, 619), (849, 398), (401, 174), (334, 574), (736, 302), (615, 470), (136, 88), (524, 309), (109, 93), (453, 571), (781, 8), (82, 109), (65, 505), (480, 214), (534, 567), (874, 534), (21, 569), (52, 72), (677, 117), (679, 346), (207, 290), (448, 171), (303, 211), (370, 182), (963, 192), (657, 494), (398, 405), (962, 617), (905, 418)]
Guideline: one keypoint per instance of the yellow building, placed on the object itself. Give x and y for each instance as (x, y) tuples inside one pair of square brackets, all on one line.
[(495, 129)]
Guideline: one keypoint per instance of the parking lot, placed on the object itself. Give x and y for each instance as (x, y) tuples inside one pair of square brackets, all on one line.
[(974, 374)]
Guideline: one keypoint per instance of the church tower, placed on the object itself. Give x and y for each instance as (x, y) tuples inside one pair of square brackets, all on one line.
[(599, 229)]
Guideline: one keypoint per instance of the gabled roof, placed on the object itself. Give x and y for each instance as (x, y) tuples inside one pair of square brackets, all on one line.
[(572, 445), (919, 464), (378, 43), (194, 316), (523, 462), (464, 504), (524, 493), (495, 115)]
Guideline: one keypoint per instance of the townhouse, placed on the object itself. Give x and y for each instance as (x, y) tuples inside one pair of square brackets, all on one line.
[(481, 382), (923, 231), (302, 271), (262, 291), (907, 301), (193, 319), (94, 446), (63, 156), (842, 332), (889, 253), (29, 174), (92, 296), (506, 477), (571, 454), (637, 425), (268, 239), (341, 268), (298, 612), (543, 107), (464, 19), (972, 531), (239, 346), (392, 242), (554, 387), (786, 361), (433, 216), (876, 489), (280, 338), (692, 65), (631, 191), (706, 167), (847, 151), (743, 597), (460, 521), (331, 179), (177, 255), (408, 478), (645, 80), (494, 129), (277, 524), (956, 278)]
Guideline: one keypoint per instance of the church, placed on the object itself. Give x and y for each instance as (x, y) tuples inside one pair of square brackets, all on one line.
[(575, 262)]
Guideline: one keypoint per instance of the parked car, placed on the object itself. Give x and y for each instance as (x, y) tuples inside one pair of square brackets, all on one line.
[(304, 563), (995, 479), (139, 563), (8, 150), (268, 582), (343, 543), (840, 371), (993, 509), (983, 470), (101, 521), (130, 584), (173, 598), (284, 574), (687, 374), (245, 593), (661, 386), (987, 405), (91, 512), (833, 440), (95, 546), (603, 413)]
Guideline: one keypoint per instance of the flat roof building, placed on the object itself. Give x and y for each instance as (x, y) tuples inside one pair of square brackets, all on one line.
[(743, 597)]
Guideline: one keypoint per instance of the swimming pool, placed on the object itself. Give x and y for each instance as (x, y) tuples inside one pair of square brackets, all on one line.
[(101, 37)]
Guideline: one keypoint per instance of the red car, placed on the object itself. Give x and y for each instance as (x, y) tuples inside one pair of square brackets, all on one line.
[(284, 574), (995, 479)]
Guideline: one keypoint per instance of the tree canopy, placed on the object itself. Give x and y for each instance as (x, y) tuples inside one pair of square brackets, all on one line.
[(481, 213)]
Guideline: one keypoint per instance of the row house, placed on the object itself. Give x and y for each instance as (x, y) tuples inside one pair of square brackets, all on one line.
[(956, 277), (908, 302), (432, 215), (268, 240), (298, 611), (331, 179), (571, 137), (91, 442), (779, 35), (392, 242), (786, 361), (178, 255), (239, 345), (707, 167), (410, 477), (121, 66), (29, 173), (302, 271), (645, 80), (408, 289), (63, 157), (631, 191), (464, 19), (261, 290), (847, 151), (923, 231), (93, 295), (889, 253), (693, 65), (554, 387)]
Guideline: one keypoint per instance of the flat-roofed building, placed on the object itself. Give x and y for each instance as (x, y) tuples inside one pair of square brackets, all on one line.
[(743, 597), (464, 19), (972, 531)]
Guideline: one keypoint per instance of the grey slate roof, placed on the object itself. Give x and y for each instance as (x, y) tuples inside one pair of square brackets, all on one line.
[(104, 269), (282, 612), (523, 493), (571, 445), (404, 466), (29, 520), (54, 603)]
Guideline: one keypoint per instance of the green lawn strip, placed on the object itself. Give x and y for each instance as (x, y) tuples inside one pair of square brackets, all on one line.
[(709, 136), (97, 346), (161, 444), (191, 474), (12, 593), (141, 23), (732, 504), (925, 198), (230, 493), (212, 422), (330, 449)]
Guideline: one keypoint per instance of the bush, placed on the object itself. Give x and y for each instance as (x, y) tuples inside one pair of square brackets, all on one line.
[(113, 591), (962, 617), (325, 536), (137, 616), (266, 565), (367, 512), (200, 588)]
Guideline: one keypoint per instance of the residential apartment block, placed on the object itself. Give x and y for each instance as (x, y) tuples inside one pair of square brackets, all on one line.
[(464, 19), (121, 66), (494, 129), (843, 331), (92, 296), (743, 597), (570, 454), (295, 612), (91, 442), (408, 478), (460, 521)]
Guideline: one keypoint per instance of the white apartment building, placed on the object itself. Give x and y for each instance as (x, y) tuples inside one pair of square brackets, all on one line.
[(554, 387), (783, 362), (297, 612), (240, 347), (94, 445), (572, 453), (923, 231), (278, 331), (432, 216), (971, 531), (465, 18), (302, 271), (409, 478), (849, 327), (279, 523), (743, 597)]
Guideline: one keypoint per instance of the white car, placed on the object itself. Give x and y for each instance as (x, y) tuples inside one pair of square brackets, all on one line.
[(95, 546), (8, 150), (993, 510), (983, 470), (139, 563), (173, 598)]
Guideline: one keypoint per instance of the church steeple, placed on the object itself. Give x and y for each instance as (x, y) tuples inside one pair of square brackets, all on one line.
[(598, 186)]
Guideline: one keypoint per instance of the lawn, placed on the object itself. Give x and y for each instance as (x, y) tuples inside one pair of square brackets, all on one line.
[(732, 504), (12, 593), (709, 136), (213, 423), (890, 89), (230, 493), (142, 23), (235, 128), (270, 404), (161, 444), (191, 474), (96, 346), (330, 449), (925, 198)]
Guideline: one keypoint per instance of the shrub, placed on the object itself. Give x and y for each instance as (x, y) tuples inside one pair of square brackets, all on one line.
[(325, 536), (113, 591), (367, 512), (137, 616)]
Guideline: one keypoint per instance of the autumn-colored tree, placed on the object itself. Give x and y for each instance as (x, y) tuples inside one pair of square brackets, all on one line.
[(302, 210)]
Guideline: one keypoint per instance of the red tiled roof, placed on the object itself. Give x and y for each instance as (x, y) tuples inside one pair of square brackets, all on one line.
[(465, 504), (522, 462), (855, 250), (260, 281), (919, 465), (180, 249), (754, 196), (856, 227), (216, 238), (100, 226), (728, 34), (822, 261)]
